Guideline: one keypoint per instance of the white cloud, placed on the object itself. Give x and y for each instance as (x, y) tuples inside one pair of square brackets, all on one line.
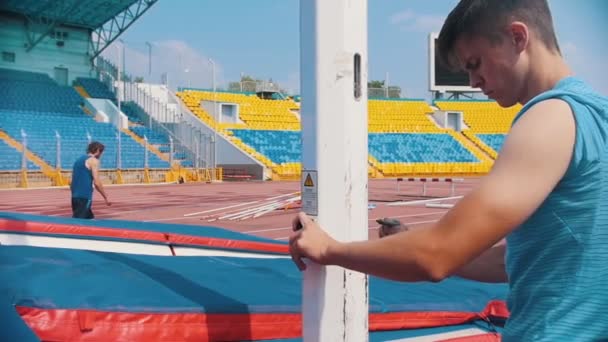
[(428, 23), (184, 65), (401, 17), (587, 65), (409, 20)]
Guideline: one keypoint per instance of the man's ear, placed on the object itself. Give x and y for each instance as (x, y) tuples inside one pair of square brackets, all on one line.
[(519, 35)]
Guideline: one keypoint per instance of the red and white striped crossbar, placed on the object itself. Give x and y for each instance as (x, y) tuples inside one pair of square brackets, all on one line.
[(425, 180)]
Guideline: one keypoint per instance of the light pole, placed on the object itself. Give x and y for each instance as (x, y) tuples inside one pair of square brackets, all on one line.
[(149, 79), (187, 77), (119, 86), (215, 115), (149, 58), (386, 86), (123, 68), (213, 80)]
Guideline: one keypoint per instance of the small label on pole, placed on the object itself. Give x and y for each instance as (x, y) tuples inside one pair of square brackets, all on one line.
[(310, 192)]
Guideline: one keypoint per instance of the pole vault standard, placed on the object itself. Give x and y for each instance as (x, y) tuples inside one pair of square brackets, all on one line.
[(333, 76)]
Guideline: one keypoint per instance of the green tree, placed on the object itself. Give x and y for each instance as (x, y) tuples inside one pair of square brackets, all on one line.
[(375, 84)]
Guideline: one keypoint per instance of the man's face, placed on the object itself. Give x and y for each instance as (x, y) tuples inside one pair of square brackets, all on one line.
[(97, 154), (495, 67)]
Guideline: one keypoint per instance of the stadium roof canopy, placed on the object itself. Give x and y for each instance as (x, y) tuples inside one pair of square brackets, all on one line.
[(107, 19)]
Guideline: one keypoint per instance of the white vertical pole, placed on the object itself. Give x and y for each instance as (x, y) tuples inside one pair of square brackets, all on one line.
[(57, 150), (386, 85), (216, 117), (196, 153), (171, 147), (24, 150), (145, 152), (119, 150), (119, 85), (124, 68), (333, 71)]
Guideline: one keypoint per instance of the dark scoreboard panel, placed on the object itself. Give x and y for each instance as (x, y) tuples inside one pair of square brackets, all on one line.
[(443, 78)]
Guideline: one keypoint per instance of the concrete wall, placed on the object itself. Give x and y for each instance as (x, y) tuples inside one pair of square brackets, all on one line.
[(49, 53)]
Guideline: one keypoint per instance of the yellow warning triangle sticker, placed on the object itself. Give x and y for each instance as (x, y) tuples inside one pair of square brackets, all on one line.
[(308, 181)]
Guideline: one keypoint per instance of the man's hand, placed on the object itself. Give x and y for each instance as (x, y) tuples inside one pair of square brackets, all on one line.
[(108, 203), (309, 241), (390, 226)]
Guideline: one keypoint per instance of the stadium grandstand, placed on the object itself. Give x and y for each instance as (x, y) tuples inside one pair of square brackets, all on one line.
[(58, 93)]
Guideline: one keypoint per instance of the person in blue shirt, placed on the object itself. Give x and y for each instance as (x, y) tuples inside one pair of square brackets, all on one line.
[(85, 176), (546, 195)]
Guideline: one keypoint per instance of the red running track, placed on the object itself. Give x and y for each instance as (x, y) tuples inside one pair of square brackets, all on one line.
[(170, 202)]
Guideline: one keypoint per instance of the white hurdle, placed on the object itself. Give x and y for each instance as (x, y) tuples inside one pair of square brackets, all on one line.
[(424, 182), (425, 202), (440, 205)]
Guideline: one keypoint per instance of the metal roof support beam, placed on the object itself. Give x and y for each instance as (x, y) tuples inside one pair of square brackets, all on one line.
[(107, 33), (30, 35), (41, 19)]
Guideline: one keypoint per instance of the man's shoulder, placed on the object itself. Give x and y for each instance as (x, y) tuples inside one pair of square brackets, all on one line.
[(536, 116), (91, 161)]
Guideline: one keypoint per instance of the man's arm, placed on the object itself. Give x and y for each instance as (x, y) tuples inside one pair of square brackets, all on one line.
[(489, 267), (534, 158), (94, 164)]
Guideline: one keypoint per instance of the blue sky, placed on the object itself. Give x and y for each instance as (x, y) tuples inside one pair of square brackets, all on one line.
[(261, 38)]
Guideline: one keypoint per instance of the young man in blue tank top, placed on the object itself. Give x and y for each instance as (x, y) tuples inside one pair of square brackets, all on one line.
[(547, 193), (85, 175)]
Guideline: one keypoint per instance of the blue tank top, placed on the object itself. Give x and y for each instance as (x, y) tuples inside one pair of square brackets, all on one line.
[(82, 179), (557, 260)]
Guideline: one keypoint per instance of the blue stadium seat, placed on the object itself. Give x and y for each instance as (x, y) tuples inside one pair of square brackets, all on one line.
[(158, 137), (95, 88), (10, 159), (154, 137), (40, 128), (133, 112), (33, 102), (18, 75), (278, 146), (417, 148), (28, 91), (284, 146), (495, 141)]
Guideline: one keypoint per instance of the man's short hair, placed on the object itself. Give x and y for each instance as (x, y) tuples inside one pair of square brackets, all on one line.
[(95, 146), (487, 18)]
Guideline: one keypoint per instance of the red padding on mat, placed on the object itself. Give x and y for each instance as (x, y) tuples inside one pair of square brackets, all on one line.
[(177, 239), (418, 320), (496, 309), (490, 337), (89, 325), (65, 325), (128, 234), (67, 229)]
